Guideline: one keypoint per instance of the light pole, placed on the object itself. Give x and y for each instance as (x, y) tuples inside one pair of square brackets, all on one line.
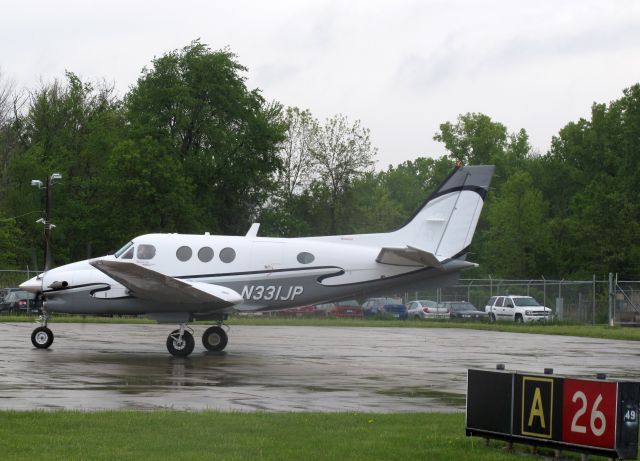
[(48, 185)]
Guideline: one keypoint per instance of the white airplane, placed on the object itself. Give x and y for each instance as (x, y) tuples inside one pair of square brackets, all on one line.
[(178, 278)]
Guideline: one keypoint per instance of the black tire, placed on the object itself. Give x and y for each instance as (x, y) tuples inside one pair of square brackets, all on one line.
[(416, 317), (42, 337), (214, 339), (519, 319), (180, 349), (492, 317)]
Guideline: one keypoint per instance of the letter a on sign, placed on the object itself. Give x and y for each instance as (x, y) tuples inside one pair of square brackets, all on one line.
[(537, 407), (537, 411)]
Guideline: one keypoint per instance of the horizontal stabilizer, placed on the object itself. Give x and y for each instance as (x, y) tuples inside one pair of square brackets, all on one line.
[(148, 284), (407, 256)]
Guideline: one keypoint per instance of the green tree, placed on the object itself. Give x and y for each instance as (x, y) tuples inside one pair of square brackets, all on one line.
[(298, 162), (194, 103), (69, 128), (592, 178), (342, 152), (286, 212), (147, 191), (410, 183), (516, 239), (474, 139), (371, 206), (12, 251)]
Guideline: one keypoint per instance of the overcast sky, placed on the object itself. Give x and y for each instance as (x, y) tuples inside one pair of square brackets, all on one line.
[(402, 67)]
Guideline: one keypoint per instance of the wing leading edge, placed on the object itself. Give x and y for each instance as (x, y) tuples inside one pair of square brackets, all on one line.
[(148, 284)]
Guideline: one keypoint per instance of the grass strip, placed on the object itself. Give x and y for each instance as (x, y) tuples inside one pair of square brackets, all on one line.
[(554, 328), (208, 435)]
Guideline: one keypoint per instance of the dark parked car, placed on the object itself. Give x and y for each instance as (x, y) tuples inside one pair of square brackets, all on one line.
[(463, 310), (397, 311), (374, 306), (17, 300)]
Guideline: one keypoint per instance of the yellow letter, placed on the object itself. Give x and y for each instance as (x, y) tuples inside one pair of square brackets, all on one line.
[(536, 409)]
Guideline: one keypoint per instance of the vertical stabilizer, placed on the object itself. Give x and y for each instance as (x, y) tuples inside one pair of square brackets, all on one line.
[(445, 223)]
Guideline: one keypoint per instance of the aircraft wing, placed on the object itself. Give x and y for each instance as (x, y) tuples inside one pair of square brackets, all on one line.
[(407, 256), (148, 284)]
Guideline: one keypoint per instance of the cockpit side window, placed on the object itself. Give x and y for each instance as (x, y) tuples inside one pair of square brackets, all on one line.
[(146, 251), (128, 254), (122, 250)]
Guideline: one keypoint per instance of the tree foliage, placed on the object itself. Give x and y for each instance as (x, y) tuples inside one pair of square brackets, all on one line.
[(195, 105), (190, 149), (342, 152)]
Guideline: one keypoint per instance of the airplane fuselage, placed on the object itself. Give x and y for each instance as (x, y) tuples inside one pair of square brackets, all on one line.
[(268, 273)]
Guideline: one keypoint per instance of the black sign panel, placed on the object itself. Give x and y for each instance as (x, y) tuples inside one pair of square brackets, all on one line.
[(489, 400)]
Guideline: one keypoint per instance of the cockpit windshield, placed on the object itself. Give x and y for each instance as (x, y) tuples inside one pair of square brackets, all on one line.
[(123, 249)]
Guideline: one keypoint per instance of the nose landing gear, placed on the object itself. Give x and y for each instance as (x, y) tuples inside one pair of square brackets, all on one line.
[(42, 337)]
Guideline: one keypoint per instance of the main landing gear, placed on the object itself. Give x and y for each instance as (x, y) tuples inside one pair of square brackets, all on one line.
[(42, 337), (180, 342), (215, 338)]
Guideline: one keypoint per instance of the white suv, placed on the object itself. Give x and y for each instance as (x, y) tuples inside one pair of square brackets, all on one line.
[(517, 309)]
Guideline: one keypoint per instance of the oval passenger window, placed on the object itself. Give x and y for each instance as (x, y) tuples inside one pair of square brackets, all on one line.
[(205, 254), (227, 255), (184, 253), (305, 257)]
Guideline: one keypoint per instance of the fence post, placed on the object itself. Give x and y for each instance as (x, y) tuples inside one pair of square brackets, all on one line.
[(593, 307), (611, 298)]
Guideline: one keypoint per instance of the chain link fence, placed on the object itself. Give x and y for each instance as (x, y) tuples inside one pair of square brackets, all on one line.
[(594, 301), (584, 301)]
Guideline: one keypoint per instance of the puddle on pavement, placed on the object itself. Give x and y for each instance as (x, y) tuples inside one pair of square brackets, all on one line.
[(446, 398)]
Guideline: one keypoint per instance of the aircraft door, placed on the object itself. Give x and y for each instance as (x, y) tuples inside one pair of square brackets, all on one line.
[(267, 255)]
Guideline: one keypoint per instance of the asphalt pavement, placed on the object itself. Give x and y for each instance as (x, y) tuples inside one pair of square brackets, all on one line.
[(108, 366)]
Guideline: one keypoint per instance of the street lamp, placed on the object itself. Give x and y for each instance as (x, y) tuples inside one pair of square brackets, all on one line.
[(51, 180)]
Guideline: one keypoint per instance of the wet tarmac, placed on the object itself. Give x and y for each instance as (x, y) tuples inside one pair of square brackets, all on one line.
[(91, 366)]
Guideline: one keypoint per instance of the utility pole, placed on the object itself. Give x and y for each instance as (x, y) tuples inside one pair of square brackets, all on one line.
[(47, 186)]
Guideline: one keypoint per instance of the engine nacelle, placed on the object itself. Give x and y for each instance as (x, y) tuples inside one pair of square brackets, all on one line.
[(59, 285)]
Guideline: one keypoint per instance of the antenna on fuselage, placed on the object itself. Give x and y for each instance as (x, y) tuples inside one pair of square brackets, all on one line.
[(253, 231)]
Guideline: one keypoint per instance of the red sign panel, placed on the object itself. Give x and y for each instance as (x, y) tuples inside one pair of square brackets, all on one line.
[(589, 413)]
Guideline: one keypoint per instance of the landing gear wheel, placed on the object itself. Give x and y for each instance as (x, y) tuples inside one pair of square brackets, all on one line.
[(215, 339), (42, 337), (180, 348)]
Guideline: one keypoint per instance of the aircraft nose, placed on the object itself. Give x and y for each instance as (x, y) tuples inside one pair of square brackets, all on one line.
[(33, 285)]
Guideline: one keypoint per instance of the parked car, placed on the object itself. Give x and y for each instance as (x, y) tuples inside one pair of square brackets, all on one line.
[(342, 309), (395, 310), (463, 310), (301, 311), (425, 309), (17, 300), (374, 306), (517, 309)]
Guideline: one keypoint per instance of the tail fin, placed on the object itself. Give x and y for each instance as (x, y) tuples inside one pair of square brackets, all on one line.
[(445, 223)]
